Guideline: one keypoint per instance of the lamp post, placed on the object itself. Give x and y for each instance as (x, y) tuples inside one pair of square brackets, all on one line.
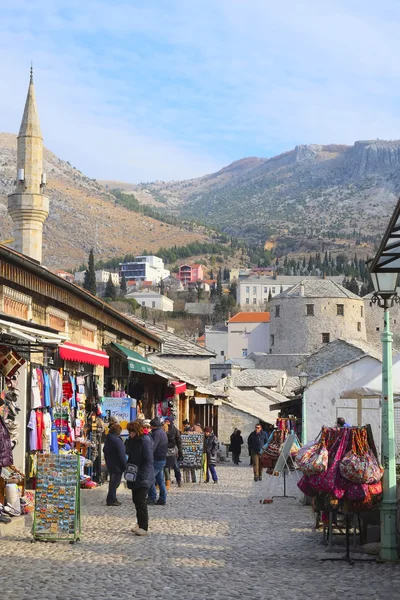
[(303, 382), (385, 285)]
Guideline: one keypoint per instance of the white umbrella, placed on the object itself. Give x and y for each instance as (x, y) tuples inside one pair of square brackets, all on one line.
[(370, 386)]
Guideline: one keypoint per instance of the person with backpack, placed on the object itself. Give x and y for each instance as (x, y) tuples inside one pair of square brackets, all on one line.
[(114, 454)]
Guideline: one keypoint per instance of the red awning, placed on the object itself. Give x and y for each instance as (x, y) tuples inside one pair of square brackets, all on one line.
[(178, 387), (82, 354)]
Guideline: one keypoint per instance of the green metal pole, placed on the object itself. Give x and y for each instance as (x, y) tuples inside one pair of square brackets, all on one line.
[(303, 419), (389, 504)]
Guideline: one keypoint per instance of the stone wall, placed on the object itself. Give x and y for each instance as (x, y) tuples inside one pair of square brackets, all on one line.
[(229, 418), (280, 362), (374, 322), (293, 332)]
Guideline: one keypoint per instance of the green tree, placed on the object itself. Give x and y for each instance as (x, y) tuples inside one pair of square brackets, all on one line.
[(162, 287), (219, 284), (269, 295), (110, 292), (90, 275), (123, 285)]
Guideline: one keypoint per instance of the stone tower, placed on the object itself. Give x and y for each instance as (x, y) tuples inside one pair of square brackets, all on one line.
[(28, 206)]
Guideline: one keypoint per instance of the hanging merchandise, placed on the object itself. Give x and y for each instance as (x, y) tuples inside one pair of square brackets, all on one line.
[(360, 465), (353, 474), (10, 361), (6, 457)]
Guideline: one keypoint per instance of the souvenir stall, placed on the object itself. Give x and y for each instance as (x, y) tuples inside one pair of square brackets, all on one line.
[(277, 438), (131, 375), (64, 411), (342, 473)]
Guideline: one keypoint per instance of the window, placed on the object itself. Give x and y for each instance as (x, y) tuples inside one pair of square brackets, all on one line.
[(358, 326), (222, 352), (277, 311), (153, 304), (214, 377), (272, 340), (310, 310), (143, 303), (265, 290), (254, 300), (326, 338), (362, 311), (244, 352), (377, 328), (273, 290), (247, 290), (254, 290), (340, 310), (247, 300)]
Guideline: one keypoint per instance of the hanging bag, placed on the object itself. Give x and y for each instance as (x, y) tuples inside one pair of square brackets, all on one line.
[(360, 465), (131, 472), (315, 459), (325, 482)]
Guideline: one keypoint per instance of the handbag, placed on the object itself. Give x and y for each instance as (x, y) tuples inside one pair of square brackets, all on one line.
[(360, 465), (171, 452), (315, 459), (131, 473), (325, 481)]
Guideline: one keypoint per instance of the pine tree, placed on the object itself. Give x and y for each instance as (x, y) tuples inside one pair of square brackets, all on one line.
[(90, 275), (123, 286), (162, 287), (110, 292), (269, 295)]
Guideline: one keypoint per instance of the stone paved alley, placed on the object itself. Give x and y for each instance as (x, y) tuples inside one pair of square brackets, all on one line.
[(210, 541)]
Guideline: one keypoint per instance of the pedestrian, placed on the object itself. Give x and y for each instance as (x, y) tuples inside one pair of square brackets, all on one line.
[(186, 426), (160, 449), (236, 446), (210, 449), (342, 422), (140, 454), (197, 428), (256, 440), (174, 453), (114, 454)]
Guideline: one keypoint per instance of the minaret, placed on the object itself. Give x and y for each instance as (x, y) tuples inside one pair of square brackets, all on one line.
[(28, 206)]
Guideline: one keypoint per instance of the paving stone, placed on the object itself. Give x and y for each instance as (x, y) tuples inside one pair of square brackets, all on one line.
[(210, 541)]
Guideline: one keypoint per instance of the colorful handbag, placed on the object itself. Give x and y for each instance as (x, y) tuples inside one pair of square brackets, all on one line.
[(325, 482), (360, 465), (315, 459), (305, 487)]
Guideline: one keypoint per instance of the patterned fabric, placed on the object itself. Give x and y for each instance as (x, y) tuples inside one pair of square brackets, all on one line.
[(360, 465)]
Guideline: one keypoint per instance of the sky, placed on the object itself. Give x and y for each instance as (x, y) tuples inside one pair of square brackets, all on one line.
[(143, 90)]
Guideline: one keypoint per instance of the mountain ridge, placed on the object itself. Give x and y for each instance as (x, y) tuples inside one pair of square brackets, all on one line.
[(297, 192)]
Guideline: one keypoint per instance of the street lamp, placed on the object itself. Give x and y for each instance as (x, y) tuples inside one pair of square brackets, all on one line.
[(385, 285), (303, 382)]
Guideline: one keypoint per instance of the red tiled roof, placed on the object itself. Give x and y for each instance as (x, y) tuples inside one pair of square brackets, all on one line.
[(250, 317)]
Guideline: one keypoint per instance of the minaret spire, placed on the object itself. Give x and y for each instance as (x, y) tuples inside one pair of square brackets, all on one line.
[(28, 206)]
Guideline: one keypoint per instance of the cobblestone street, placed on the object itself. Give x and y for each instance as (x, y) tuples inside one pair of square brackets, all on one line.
[(210, 541)]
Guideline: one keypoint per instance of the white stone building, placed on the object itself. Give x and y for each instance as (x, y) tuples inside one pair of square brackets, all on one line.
[(153, 300), (101, 277), (216, 339), (248, 332), (253, 292), (312, 314), (374, 321)]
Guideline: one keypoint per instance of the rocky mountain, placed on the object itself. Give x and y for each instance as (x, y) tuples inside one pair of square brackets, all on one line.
[(312, 191), (84, 215)]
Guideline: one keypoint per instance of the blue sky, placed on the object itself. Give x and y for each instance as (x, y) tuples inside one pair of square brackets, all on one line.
[(170, 89)]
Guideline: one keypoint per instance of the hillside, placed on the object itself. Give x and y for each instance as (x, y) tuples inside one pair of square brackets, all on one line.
[(310, 192), (83, 215)]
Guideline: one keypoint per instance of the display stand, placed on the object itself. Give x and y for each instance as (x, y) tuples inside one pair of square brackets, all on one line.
[(57, 515), (192, 455), (347, 558), (285, 465)]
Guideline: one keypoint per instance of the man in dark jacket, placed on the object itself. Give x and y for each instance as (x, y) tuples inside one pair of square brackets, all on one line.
[(211, 452), (114, 453), (174, 446), (160, 449), (256, 440)]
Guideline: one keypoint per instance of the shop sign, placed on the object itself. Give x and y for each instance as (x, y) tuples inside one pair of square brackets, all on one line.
[(119, 408)]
